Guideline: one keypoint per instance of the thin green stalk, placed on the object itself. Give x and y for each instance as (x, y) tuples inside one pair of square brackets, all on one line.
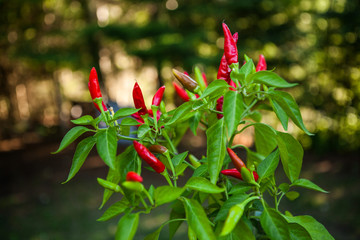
[(166, 136), (149, 197), (143, 202), (166, 175)]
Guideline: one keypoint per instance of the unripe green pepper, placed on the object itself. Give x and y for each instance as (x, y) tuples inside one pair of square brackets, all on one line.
[(199, 79), (246, 175), (133, 186), (194, 161), (109, 185)]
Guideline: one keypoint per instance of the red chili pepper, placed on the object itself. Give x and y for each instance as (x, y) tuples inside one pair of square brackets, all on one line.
[(224, 69), (94, 88), (148, 157), (261, 66), (133, 177), (219, 107), (138, 118), (238, 163), (189, 83), (181, 92), (233, 85), (233, 172), (139, 99), (230, 47), (158, 96)]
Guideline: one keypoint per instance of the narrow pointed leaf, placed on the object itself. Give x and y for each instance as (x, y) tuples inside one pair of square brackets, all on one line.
[(84, 120), (71, 136), (203, 185), (288, 104), (270, 79), (124, 112), (216, 144), (274, 225), (114, 210), (233, 108), (166, 194), (305, 183), (127, 227), (81, 153), (291, 153), (106, 145), (265, 138), (197, 219), (316, 230), (267, 167), (281, 114), (215, 86)]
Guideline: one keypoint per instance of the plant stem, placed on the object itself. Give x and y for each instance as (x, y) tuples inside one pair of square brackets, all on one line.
[(166, 175), (166, 136), (149, 197)]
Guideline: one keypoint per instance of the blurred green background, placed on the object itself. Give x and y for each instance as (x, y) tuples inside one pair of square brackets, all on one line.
[(48, 47)]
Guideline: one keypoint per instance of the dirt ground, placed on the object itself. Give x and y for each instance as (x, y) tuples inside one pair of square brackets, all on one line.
[(35, 205)]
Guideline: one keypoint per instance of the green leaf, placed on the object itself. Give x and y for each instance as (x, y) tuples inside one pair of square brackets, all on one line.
[(281, 114), (305, 183), (233, 108), (292, 195), (316, 230), (143, 130), (284, 187), (297, 232), (240, 188), (198, 220), (127, 227), (178, 159), (274, 225), (265, 138), (291, 153), (84, 120), (194, 122), (201, 171), (166, 194), (288, 104), (215, 86), (114, 210), (128, 162), (241, 232), (247, 69), (106, 145), (203, 185), (177, 212), (124, 112), (267, 167), (270, 79), (71, 136), (180, 113), (129, 122), (216, 144), (81, 153), (233, 200), (154, 235)]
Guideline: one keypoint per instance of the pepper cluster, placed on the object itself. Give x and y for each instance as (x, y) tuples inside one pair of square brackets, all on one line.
[(139, 102)]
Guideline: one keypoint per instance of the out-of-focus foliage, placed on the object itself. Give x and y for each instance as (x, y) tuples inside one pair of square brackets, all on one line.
[(313, 42)]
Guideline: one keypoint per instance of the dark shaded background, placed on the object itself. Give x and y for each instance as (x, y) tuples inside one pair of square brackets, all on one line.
[(48, 47)]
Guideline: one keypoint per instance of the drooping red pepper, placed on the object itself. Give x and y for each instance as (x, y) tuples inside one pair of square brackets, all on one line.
[(181, 92), (219, 107), (238, 163), (139, 100), (158, 96), (230, 47), (189, 83), (148, 157), (233, 172), (261, 66), (94, 88), (133, 177)]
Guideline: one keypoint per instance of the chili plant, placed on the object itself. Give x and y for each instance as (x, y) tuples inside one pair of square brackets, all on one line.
[(217, 201)]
